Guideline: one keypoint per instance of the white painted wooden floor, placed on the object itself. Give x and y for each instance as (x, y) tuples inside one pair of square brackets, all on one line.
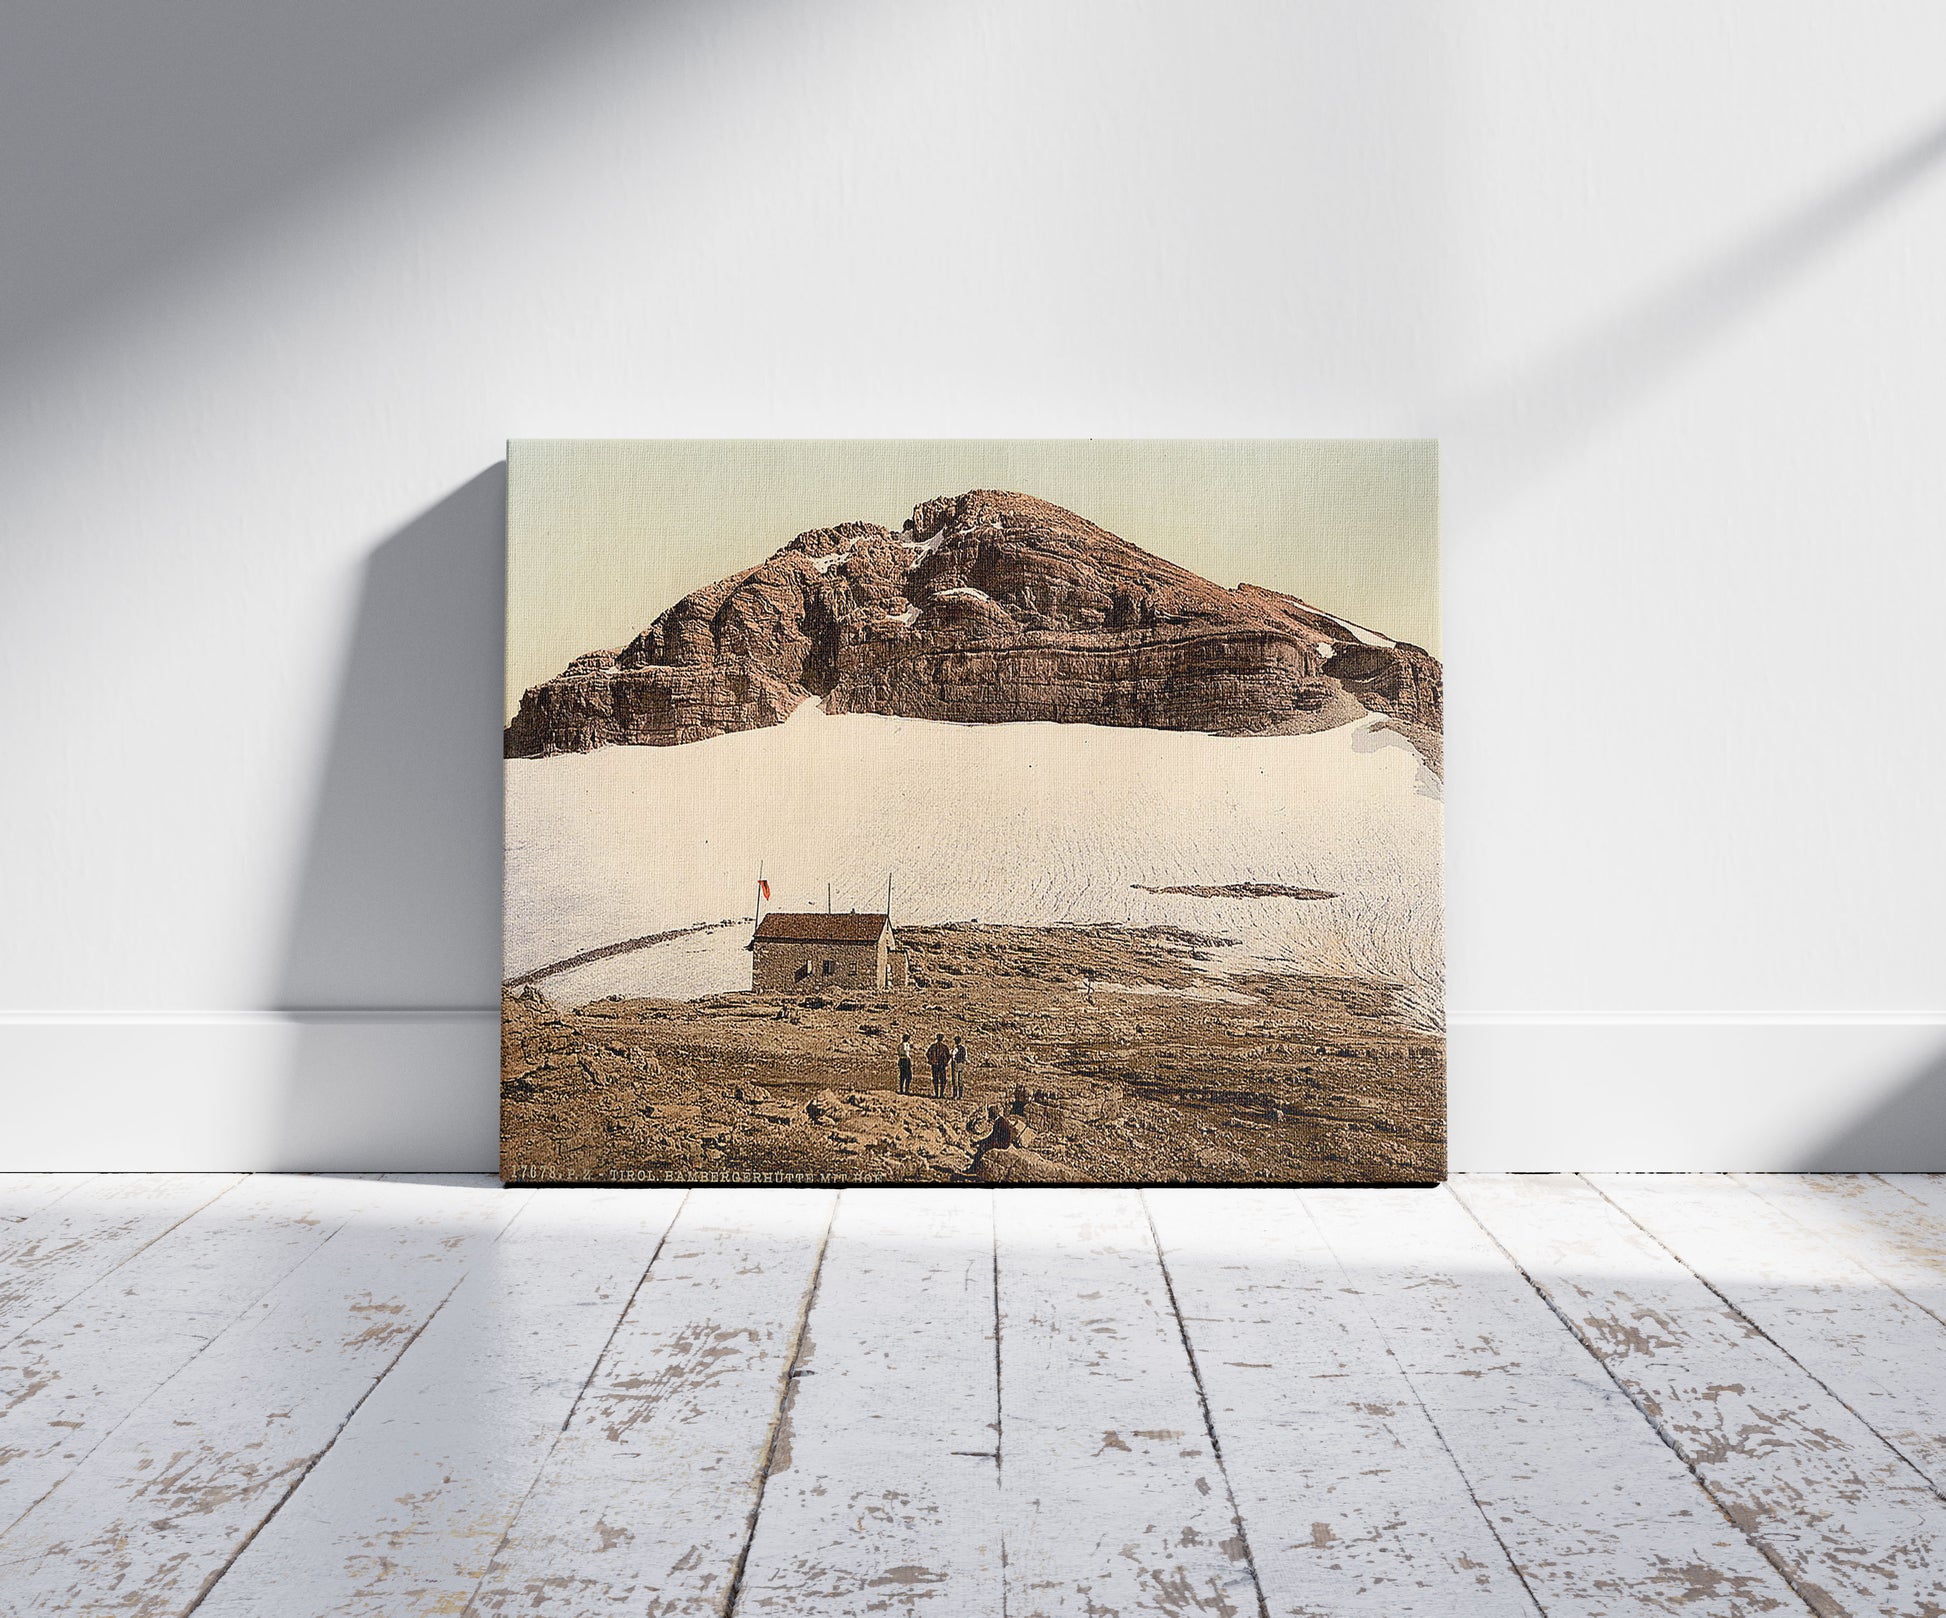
[(284, 1396)]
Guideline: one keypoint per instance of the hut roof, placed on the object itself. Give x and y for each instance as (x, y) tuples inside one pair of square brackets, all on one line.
[(815, 927)]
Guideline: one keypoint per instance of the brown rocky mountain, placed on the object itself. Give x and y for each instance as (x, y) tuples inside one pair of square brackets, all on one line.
[(985, 606)]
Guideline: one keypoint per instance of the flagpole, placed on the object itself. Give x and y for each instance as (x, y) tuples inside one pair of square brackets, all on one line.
[(760, 895)]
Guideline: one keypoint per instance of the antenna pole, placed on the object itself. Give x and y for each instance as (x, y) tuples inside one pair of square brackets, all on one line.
[(888, 898)]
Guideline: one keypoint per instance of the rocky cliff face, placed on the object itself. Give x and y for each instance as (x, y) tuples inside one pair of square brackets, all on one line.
[(985, 607)]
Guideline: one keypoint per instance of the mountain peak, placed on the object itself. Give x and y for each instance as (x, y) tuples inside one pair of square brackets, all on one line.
[(996, 508), (987, 606)]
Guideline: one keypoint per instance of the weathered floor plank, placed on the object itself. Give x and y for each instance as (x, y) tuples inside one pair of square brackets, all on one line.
[(1113, 1498), (163, 1505), (65, 1246), (403, 1513), (1926, 1189), (325, 1396), (1852, 1524), (1350, 1500), (23, 1194), (1874, 1349), (69, 1380), (1893, 1224), (1597, 1513), (646, 1502), (884, 1494)]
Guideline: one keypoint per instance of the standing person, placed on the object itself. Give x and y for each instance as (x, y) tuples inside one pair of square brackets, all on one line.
[(939, 1054), (959, 1068), (905, 1064)]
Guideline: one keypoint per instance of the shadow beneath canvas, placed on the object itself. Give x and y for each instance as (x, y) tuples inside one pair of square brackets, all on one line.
[(399, 1177), (390, 974)]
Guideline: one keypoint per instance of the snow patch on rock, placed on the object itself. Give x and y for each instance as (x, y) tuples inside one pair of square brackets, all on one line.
[(1364, 636), (922, 548)]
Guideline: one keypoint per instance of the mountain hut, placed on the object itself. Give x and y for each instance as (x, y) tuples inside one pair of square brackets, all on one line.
[(805, 952)]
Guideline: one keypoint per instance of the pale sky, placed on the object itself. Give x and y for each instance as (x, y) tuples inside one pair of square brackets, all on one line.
[(603, 534)]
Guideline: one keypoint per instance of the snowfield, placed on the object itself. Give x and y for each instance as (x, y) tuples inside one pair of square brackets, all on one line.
[(1030, 824)]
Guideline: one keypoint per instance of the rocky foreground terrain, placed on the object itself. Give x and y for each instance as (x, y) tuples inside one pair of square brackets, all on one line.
[(1164, 1074), (985, 607)]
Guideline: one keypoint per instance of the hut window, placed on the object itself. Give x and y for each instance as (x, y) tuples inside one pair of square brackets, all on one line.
[(829, 966)]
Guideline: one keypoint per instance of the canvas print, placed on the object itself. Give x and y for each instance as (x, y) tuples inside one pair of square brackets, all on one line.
[(984, 812)]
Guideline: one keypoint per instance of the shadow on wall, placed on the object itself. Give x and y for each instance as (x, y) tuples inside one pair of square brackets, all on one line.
[(1548, 410), (134, 139), (392, 959), (1904, 1134)]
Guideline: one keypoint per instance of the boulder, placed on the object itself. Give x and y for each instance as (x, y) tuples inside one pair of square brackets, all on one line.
[(1017, 1166)]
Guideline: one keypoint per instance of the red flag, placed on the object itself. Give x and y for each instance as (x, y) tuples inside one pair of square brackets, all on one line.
[(763, 887)]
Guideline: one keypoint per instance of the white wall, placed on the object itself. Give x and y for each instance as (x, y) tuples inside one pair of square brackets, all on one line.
[(279, 282)]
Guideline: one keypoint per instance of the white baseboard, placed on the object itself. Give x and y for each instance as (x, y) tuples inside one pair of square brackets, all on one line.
[(416, 1090), (250, 1090), (1670, 1094)]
